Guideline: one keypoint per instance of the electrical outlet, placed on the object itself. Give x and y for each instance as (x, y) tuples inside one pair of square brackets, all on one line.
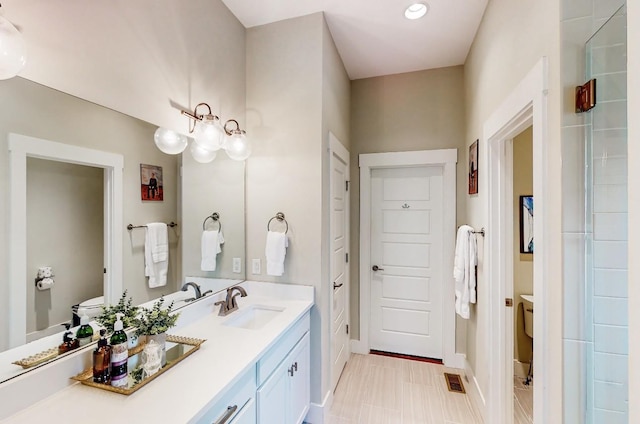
[(255, 266), (237, 265)]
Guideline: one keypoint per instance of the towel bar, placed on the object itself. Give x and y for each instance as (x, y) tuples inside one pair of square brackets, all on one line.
[(131, 226)]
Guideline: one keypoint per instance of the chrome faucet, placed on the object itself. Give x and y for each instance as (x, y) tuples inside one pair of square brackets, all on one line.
[(230, 304), (195, 287)]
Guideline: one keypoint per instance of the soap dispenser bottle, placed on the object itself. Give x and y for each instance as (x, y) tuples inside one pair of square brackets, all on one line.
[(85, 332), (68, 342), (119, 354), (102, 360)]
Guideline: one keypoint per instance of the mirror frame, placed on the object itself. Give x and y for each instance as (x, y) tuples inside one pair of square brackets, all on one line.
[(21, 147)]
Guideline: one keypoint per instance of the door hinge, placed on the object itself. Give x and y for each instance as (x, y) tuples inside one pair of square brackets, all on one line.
[(346, 184), (104, 270), (347, 328), (346, 257)]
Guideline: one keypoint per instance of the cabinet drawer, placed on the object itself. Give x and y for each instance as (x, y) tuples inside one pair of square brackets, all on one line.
[(268, 363), (240, 398)]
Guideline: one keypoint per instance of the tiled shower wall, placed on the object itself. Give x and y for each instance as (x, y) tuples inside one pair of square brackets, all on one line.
[(594, 217)]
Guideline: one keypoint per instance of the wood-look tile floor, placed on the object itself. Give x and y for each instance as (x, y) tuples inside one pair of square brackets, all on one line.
[(382, 390), (522, 402)]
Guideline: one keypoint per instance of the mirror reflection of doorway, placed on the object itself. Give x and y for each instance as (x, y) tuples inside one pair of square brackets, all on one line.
[(65, 230)]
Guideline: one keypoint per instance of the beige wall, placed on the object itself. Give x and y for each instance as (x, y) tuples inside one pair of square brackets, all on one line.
[(296, 93), (67, 119), (633, 93), (144, 58), (65, 225), (512, 38), (414, 111), (522, 263)]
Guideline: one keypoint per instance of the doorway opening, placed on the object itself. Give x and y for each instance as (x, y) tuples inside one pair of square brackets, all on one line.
[(22, 147), (523, 108)]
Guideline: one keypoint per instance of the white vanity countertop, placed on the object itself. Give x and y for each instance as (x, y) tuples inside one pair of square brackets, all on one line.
[(197, 382)]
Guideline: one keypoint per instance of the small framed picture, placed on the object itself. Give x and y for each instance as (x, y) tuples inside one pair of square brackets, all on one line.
[(473, 168), (151, 183), (526, 224)]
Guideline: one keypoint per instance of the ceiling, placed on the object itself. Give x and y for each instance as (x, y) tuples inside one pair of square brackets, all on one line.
[(373, 37)]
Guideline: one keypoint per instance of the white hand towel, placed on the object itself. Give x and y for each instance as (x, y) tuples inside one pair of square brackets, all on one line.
[(464, 270), (156, 254), (210, 247), (275, 251)]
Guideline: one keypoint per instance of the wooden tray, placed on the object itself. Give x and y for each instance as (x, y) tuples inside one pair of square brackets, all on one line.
[(177, 348)]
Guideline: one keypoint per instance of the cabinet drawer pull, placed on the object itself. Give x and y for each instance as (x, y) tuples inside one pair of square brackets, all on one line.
[(228, 413), (291, 371), (295, 366)]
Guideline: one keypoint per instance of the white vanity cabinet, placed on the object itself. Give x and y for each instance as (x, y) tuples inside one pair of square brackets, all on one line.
[(284, 379), (236, 406)]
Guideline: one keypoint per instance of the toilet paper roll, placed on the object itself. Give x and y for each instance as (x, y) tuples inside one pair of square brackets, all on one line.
[(45, 272), (45, 284)]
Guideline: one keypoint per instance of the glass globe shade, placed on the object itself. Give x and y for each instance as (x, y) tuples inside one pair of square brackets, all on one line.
[(209, 133), (238, 146), (202, 155), (170, 142), (13, 52)]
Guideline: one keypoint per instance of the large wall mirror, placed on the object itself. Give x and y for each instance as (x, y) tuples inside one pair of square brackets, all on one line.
[(192, 191)]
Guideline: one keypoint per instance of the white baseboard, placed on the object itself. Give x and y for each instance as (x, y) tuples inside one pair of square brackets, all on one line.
[(358, 347), (319, 413), (474, 390), (458, 360)]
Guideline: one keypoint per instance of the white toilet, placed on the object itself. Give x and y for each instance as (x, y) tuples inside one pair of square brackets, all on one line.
[(91, 307), (527, 302)]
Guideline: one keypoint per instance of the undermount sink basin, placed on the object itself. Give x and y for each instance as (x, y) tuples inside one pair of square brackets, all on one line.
[(528, 314), (253, 317), (527, 297)]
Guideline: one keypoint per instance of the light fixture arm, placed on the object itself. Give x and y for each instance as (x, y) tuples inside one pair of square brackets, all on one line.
[(196, 117), (232, 131)]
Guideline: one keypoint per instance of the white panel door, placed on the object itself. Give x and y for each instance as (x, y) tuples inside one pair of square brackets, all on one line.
[(406, 248), (339, 273)]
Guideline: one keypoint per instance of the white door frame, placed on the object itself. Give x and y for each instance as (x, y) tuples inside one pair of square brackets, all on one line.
[(525, 106), (335, 147), (21, 147), (447, 158)]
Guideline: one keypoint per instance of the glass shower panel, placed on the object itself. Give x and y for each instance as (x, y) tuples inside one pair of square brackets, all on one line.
[(606, 226)]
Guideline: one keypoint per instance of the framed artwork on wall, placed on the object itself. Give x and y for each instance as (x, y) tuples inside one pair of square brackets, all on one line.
[(526, 224), (151, 183), (473, 168)]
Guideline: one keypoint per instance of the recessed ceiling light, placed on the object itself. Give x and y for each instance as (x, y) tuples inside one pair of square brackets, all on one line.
[(416, 11)]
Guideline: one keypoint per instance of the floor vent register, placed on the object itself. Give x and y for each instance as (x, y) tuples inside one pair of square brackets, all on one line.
[(454, 383)]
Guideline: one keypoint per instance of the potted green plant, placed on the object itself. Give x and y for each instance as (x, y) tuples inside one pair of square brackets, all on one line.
[(124, 306), (154, 323)]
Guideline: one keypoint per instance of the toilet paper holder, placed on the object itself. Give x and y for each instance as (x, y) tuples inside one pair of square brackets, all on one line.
[(44, 280)]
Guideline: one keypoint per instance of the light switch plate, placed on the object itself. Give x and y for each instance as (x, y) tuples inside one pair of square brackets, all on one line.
[(237, 265), (255, 266)]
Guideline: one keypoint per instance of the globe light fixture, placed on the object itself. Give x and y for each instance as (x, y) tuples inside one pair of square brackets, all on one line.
[(209, 136), (170, 142), (237, 145), (13, 51), (202, 155)]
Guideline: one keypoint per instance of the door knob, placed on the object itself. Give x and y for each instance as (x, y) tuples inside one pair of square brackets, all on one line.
[(337, 286), (376, 268)]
